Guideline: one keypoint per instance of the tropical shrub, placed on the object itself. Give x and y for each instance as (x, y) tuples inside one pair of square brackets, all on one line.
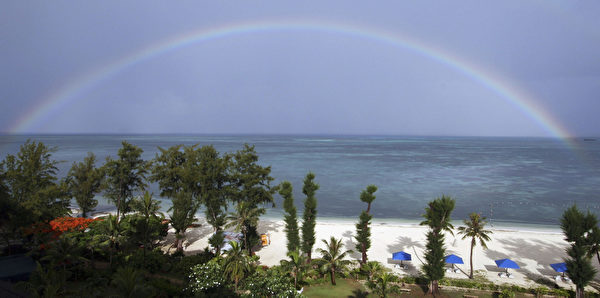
[(206, 277), (269, 283)]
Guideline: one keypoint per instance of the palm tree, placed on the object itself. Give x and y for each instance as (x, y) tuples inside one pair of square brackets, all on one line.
[(296, 265), (333, 257), (236, 264), (129, 282), (474, 229), (112, 235), (64, 251), (382, 284), (372, 268), (244, 217)]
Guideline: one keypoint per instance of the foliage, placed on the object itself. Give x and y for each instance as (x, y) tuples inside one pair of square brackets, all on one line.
[(130, 282), (269, 283), (30, 187), (184, 264), (577, 228), (372, 269), (125, 176), (475, 229), (310, 215), (243, 219), (437, 217), (332, 259), (296, 266), (506, 293), (383, 284), (363, 231), (236, 265), (45, 282), (291, 220), (152, 261), (250, 181), (207, 276), (109, 233), (84, 181), (211, 172), (182, 215)]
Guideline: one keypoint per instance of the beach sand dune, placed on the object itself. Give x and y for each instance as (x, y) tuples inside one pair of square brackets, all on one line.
[(533, 250)]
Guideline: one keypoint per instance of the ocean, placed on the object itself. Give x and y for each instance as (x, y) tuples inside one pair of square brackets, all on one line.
[(511, 181)]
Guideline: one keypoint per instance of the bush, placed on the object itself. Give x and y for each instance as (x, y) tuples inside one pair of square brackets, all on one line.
[(154, 261), (205, 277), (269, 283), (507, 293), (164, 288), (182, 265)]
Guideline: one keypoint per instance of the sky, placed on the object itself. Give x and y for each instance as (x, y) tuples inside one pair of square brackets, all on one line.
[(463, 68)]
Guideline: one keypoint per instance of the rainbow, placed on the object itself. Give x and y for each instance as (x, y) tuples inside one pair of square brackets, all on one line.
[(73, 90)]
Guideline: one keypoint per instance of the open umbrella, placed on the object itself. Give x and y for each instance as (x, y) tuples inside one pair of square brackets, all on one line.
[(559, 267), (401, 256), (507, 263), (453, 259)]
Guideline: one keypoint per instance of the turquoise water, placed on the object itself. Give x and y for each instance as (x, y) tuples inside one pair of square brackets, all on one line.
[(510, 180)]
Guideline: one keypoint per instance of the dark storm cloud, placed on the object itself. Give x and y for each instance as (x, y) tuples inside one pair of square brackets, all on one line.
[(302, 81)]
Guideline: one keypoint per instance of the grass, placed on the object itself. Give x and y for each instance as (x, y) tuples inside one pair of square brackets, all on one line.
[(352, 288)]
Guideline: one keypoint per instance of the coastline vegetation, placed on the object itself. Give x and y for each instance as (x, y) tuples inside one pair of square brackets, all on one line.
[(121, 255)]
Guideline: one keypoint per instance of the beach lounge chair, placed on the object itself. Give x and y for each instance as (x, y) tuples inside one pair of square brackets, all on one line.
[(448, 270), (456, 270), (502, 274), (567, 279), (510, 275), (557, 278)]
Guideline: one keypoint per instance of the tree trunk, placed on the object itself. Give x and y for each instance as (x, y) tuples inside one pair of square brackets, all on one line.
[(434, 289), (364, 254), (471, 273), (598, 256), (368, 208), (296, 280), (579, 292), (332, 276), (308, 257)]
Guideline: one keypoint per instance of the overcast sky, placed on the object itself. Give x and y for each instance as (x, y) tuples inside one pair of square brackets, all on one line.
[(301, 81)]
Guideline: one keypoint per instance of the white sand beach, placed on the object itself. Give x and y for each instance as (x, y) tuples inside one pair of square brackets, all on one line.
[(533, 250)]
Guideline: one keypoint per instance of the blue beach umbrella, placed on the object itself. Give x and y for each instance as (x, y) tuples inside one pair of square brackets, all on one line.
[(559, 267), (401, 256), (454, 259), (507, 263)]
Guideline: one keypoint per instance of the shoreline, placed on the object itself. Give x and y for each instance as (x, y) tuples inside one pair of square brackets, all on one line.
[(533, 250)]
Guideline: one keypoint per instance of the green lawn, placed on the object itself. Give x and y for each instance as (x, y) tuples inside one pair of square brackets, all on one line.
[(352, 288)]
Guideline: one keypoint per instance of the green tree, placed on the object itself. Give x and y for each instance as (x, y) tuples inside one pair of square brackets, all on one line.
[(310, 215), (111, 234), (250, 183), (577, 228), (129, 282), (383, 284), (332, 259), (84, 182), (475, 229), (236, 264), (437, 217), (211, 172), (269, 283), (150, 226), (363, 231), (182, 215), (30, 185), (125, 176), (291, 220), (245, 216), (372, 269), (594, 240), (296, 265)]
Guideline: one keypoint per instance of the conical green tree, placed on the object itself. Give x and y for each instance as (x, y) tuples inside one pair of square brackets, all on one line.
[(310, 215), (475, 229), (291, 219), (363, 230), (437, 217), (577, 228)]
